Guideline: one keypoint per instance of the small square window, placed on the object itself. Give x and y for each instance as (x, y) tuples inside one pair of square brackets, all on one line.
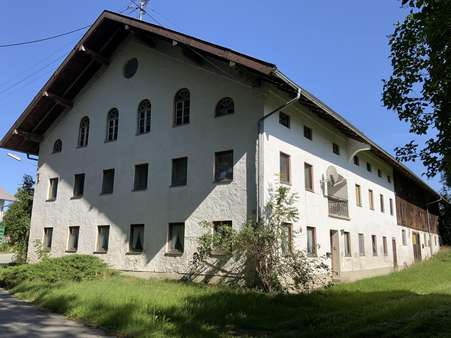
[(179, 171), (336, 148), (108, 181), (79, 184), (356, 160), (48, 235), (224, 166), (72, 244), (284, 119), (347, 240), (176, 238), (53, 189), (284, 168), (308, 133), (311, 241), (103, 234), (136, 243), (368, 166), (141, 173), (361, 245)]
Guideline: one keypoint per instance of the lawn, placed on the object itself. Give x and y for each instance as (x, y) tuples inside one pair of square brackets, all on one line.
[(414, 302)]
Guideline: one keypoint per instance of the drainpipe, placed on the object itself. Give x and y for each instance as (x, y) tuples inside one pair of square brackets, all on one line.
[(259, 163)]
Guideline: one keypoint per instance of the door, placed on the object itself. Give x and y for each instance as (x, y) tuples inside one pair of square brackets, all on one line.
[(395, 254), (416, 246), (335, 252)]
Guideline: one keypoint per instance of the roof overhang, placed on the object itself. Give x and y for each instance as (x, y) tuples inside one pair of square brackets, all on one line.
[(97, 46)]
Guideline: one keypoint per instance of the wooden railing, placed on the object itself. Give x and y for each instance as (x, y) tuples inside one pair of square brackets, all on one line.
[(338, 207)]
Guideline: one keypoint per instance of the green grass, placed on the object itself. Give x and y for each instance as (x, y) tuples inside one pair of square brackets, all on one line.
[(414, 302)]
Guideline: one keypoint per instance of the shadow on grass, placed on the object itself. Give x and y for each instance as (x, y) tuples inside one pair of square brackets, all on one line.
[(240, 313)]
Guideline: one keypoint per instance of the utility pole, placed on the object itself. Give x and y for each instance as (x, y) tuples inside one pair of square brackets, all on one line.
[(142, 8)]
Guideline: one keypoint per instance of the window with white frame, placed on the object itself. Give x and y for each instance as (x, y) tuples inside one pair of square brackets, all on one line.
[(347, 242), (72, 243), (103, 234), (83, 133), (176, 238), (112, 125), (374, 244), (182, 103), (225, 106), (48, 236), (361, 245), (136, 242), (144, 117), (311, 241), (53, 189), (284, 168)]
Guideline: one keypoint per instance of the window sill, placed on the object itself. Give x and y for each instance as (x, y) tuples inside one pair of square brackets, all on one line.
[(109, 141), (177, 186), (340, 217), (137, 190), (76, 197), (145, 133), (51, 200), (106, 193), (348, 256), (100, 252), (310, 190), (225, 181), (286, 183), (173, 254), (134, 253), (312, 255), (70, 251)]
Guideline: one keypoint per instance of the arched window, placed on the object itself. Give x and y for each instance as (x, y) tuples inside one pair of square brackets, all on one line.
[(57, 146), (143, 117), (225, 106), (83, 133), (181, 107), (112, 125)]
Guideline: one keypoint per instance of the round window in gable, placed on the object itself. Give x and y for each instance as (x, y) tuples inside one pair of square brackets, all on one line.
[(130, 68)]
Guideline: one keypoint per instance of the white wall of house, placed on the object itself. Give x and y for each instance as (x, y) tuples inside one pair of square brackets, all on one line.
[(158, 78), (313, 206)]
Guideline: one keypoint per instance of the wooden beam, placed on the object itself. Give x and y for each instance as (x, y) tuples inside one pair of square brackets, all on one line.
[(60, 100), (29, 136), (96, 56)]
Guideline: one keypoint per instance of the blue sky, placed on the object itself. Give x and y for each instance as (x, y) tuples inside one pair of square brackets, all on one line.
[(336, 49)]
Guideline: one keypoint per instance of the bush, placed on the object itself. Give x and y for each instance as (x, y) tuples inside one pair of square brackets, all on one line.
[(51, 270)]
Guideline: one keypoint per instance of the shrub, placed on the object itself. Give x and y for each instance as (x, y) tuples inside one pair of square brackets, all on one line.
[(51, 270)]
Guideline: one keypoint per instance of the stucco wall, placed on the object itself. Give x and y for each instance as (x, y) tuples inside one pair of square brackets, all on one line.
[(158, 78), (313, 206)]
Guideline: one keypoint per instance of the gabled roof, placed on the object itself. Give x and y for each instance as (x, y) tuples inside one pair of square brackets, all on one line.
[(5, 196), (97, 46)]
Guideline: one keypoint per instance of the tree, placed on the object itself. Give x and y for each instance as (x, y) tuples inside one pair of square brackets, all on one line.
[(419, 89), (17, 218), (262, 254)]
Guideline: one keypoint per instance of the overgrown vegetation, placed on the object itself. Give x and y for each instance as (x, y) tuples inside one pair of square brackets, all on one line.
[(17, 219), (54, 270), (260, 254), (413, 303)]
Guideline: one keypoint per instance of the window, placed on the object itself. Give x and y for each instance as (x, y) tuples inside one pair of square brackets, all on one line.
[(57, 146), (136, 243), (48, 234), (374, 244), (358, 195), (53, 189), (347, 239), (141, 173), (336, 148), (108, 181), (225, 106), (284, 168), (176, 238), (391, 206), (361, 245), (311, 241), (368, 166), (221, 229), (179, 171), (379, 173), (308, 133), (435, 239), (356, 160), (181, 107), (72, 244), (130, 68), (103, 234), (144, 117), (287, 239), (308, 177), (112, 125), (425, 240), (79, 185), (83, 133), (371, 199), (284, 119), (389, 179), (384, 244), (381, 198), (404, 237), (224, 166)]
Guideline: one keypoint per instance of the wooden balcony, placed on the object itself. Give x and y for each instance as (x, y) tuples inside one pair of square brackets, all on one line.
[(338, 207)]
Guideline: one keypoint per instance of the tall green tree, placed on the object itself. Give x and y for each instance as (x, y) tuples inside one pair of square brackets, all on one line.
[(17, 218), (419, 89)]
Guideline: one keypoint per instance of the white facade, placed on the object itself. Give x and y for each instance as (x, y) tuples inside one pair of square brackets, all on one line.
[(160, 75)]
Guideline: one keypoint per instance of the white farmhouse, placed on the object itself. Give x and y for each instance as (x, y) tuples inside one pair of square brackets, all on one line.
[(143, 132)]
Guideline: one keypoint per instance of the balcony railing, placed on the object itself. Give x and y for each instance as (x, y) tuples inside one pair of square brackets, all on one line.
[(338, 207)]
